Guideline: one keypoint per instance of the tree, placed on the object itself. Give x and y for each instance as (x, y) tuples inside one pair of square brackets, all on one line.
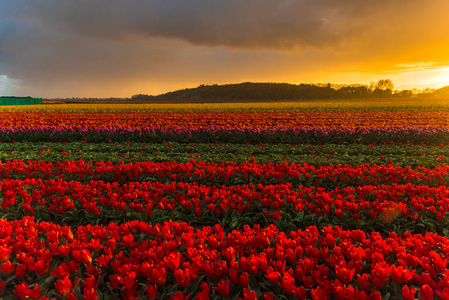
[(385, 84), (442, 92), (428, 91), (404, 94)]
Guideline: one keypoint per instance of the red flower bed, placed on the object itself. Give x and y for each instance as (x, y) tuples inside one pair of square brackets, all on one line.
[(137, 259), (153, 259), (226, 173), (154, 201)]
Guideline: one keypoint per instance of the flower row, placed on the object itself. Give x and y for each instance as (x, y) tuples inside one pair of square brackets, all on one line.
[(207, 134), (259, 120), (330, 105), (174, 260), (232, 205), (229, 173)]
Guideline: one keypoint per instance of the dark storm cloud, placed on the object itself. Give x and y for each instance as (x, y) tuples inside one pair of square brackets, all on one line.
[(234, 23), (263, 24), (239, 24), (72, 43)]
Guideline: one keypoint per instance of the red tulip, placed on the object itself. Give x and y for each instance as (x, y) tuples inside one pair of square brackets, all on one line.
[(345, 275), (379, 274), (182, 277), (129, 282), (4, 253), (204, 293), (364, 282), (7, 267), (375, 295), (82, 255), (361, 295), (172, 260), (223, 287), (24, 292), (244, 279), (90, 294), (21, 271), (400, 274), (63, 286), (288, 282), (426, 292), (116, 281), (319, 294), (248, 295), (268, 296), (408, 294), (272, 275), (234, 275), (35, 293), (159, 275)]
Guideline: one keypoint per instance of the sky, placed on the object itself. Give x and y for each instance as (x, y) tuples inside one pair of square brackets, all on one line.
[(116, 48)]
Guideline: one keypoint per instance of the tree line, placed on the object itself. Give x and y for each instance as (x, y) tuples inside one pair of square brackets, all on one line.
[(384, 88)]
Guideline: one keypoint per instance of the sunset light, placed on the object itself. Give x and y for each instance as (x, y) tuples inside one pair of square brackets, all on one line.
[(159, 46), (421, 76), (224, 149), (442, 79)]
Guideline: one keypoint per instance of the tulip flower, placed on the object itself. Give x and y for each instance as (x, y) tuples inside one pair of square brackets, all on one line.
[(400, 274), (244, 279), (172, 260), (23, 291), (375, 295), (63, 286), (407, 293), (345, 275), (7, 267), (364, 282), (379, 274), (426, 292), (223, 287), (249, 294), (272, 275), (182, 277), (288, 283), (4, 253)]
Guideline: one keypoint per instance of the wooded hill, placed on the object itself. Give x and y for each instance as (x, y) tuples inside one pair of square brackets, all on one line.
[(285, 91)]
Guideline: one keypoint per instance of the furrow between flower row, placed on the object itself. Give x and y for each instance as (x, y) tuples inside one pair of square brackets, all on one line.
[(354, 154)]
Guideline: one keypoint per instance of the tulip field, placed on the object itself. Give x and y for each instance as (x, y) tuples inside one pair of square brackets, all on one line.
[(317, 200)]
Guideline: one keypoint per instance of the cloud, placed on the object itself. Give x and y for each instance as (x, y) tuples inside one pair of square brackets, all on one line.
[(267, 24), (4, 85), (68, 46), (416, 66), (232, 23)]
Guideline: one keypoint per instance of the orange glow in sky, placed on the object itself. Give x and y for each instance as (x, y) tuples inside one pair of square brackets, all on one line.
[(121, 48)]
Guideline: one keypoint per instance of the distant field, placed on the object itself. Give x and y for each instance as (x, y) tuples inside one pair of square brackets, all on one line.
[(158, 200), (298, 106)]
